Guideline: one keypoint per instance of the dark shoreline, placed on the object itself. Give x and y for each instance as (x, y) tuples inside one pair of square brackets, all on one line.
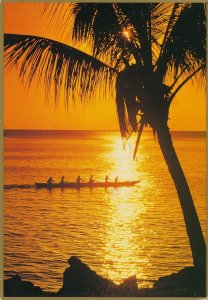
[(80, 280)]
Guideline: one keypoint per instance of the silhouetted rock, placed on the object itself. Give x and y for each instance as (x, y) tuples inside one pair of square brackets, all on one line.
[(189, 279), (80, 280), (129, 287), (15, 287)]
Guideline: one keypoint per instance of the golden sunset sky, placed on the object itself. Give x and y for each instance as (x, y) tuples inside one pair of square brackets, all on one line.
[(28, 110)]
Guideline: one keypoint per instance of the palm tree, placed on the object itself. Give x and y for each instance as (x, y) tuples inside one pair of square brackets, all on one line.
[(149, 51)]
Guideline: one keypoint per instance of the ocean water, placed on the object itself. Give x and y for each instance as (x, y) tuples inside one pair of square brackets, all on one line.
[(117, 232)]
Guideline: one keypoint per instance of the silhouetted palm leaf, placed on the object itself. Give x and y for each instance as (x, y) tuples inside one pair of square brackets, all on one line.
[(129, 94), (185, 45), (90, 23), (107, 38), (56, 63)]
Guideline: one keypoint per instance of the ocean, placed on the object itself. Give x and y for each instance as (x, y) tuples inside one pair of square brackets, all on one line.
[(116, 232)]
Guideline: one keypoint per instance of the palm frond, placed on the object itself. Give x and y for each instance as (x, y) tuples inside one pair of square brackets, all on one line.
[(107, 36), (160, 17), (141, 127), (90, 23), (162, 20), (137, 17), (185, 46), (128, 91), (196, 72), (121, 111), (147, 22), (57, 64), (58, 15), (172, 18)]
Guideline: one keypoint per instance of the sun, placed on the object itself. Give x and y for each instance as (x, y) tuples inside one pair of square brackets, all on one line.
[(127, 34)]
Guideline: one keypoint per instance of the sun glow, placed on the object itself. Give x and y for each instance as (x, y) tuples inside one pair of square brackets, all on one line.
[(126, 34), (121, 159)]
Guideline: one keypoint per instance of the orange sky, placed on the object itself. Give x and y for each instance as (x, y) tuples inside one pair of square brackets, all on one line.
[(28, 110)]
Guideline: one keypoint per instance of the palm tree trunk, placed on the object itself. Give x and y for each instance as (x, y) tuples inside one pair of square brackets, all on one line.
[(194, 231)]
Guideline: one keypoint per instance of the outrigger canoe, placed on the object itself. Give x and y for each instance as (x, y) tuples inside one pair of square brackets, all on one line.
[(76, 185)]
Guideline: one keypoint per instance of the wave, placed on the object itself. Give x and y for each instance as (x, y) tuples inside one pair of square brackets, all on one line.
[(18, 186)]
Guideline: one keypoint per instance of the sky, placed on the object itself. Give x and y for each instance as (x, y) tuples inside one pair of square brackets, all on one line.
[(28, 109)]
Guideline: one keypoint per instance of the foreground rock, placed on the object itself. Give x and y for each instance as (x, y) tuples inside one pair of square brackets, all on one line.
[(15, 287), (188, 280), (80, 280)]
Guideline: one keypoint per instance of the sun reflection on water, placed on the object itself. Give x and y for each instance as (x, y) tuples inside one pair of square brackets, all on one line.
[(122, 255), (121, 251), (121, 161)]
